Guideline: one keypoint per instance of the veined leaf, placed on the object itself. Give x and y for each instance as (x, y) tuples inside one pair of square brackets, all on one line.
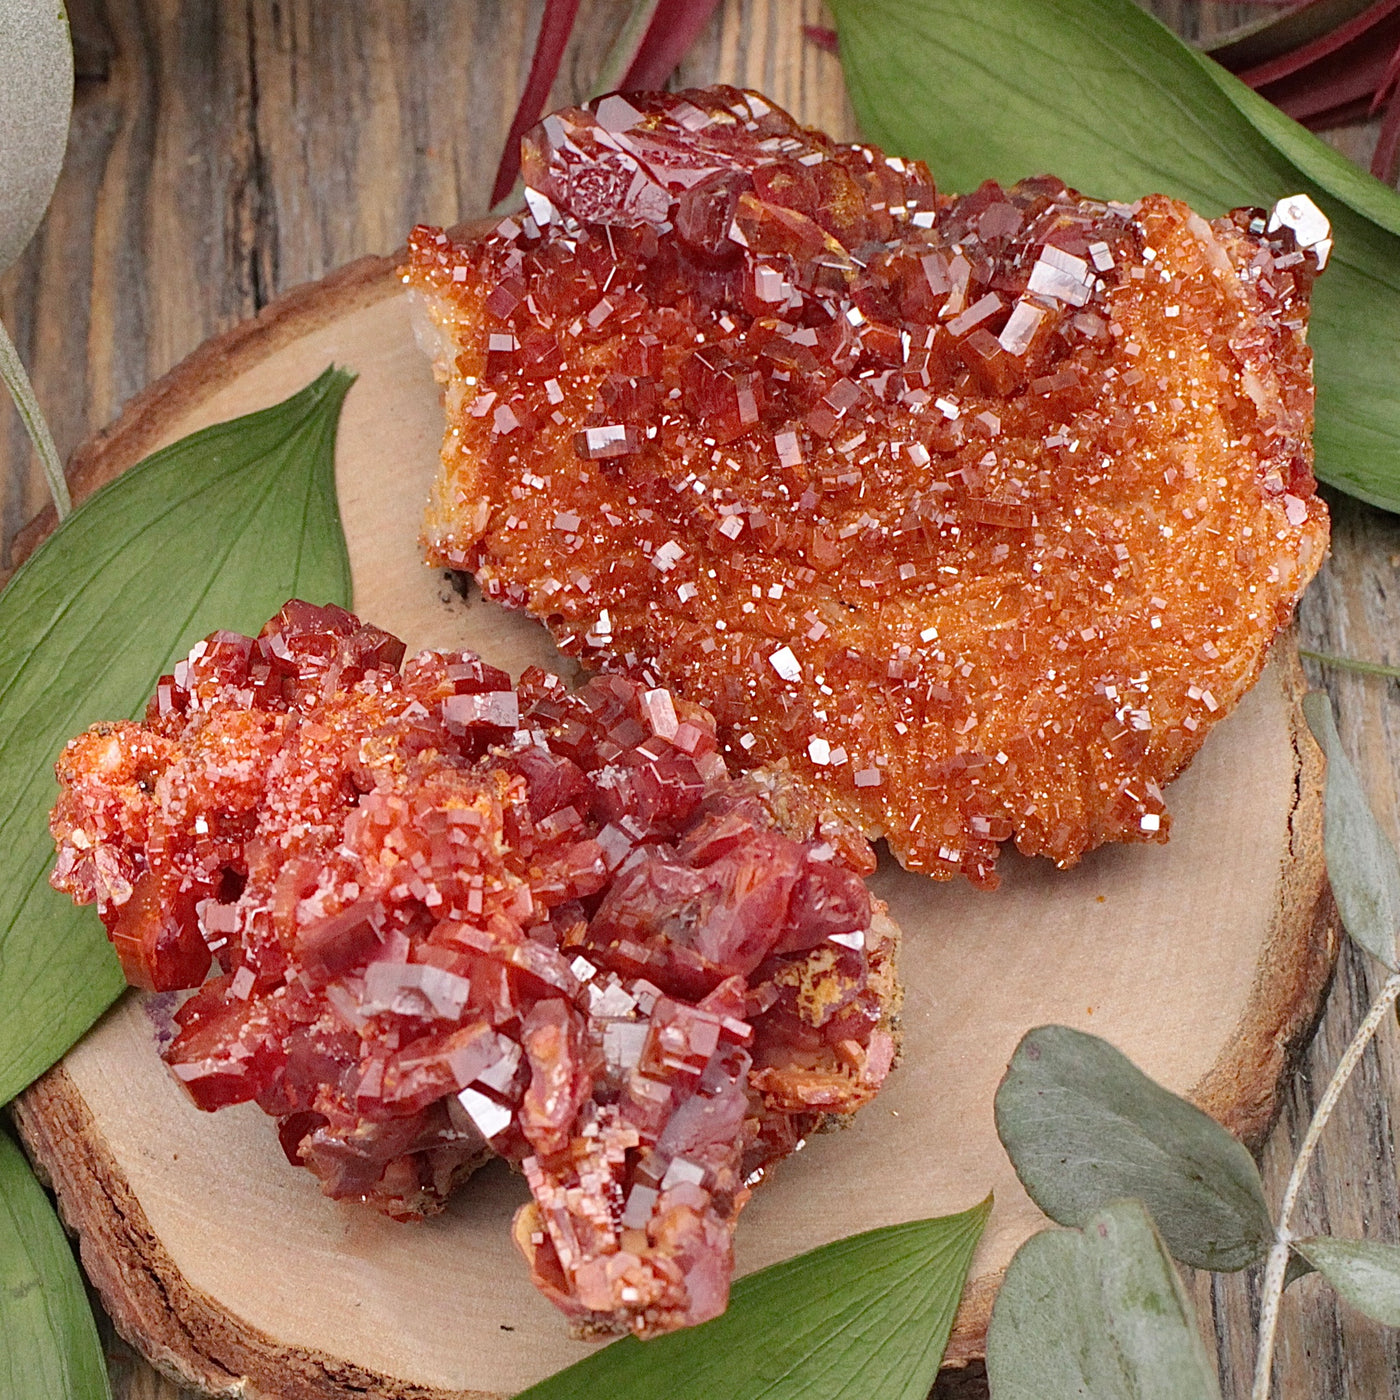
[(1362, 865), (1084, 1126), (217, 530), (51, 1348), (1099, 1314), (1367, 1275), (865, 1318), (1102, 95)]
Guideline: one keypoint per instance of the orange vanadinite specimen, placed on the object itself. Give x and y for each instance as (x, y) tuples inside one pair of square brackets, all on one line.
[(980, 512), (450, 917)]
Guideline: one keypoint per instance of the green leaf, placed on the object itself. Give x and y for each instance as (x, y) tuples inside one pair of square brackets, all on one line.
[(50, 1348), (1366, 1275), (865, 1318), (1099, 1314), (1361, 863), (1296, 1268), (36, 99), (1101, 94), (1084, 1126), (217, 530)]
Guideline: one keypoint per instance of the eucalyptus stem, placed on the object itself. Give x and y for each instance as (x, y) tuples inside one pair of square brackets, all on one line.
[(22, 391), (625, 46), (1276, 1270), (1347, 663)]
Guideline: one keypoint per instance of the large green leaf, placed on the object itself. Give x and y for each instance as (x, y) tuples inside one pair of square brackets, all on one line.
[(865, 1318), (218, 530), (1365, 1273), (1101, 94), (1084, 1126), (1100, 1314), (1362, 865), (48, 1342)]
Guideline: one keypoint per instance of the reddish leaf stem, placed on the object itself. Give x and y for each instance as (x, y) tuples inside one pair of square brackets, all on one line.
[(555, 28), (674, 27)]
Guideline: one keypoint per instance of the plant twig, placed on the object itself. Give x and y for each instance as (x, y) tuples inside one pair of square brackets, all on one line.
[(1346, 663), (22, 391), (1278, 1255)]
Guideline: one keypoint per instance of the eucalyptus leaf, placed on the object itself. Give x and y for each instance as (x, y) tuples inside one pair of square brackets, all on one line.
[(1084, 1126), (1365, 1274), (1362, 865), (865, 1318), (1101, 94), (217, 530), (1296, 1268), (36, 98), (1099, 1314), (51, 1348)]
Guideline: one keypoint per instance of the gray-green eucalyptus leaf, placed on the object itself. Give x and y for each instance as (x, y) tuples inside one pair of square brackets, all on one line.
[(865, 1318), (1296, 1268), (36, 99), (1084, 1126), (1098, 1314), (49, 1348), (1365, 1274), (1361, 862), (217, 530), (1101, 94)]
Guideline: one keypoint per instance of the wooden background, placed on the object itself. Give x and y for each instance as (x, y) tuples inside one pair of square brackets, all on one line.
[(225, 150)]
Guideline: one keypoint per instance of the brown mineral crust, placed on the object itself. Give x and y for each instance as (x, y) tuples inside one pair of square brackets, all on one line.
[(449, 917), (979, 512)]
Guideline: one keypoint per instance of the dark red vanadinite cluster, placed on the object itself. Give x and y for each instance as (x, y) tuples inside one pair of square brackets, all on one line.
[(980, 511), (448, 917)]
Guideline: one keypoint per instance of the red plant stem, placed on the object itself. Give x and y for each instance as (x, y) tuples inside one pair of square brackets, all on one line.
[(673, 29), (555, 28), (822, 38), (1383, 158), (1329, 43)]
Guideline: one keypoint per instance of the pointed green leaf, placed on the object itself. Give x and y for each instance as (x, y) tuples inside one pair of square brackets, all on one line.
[(36, 98), (1361, 863), (1366, 1275), (50, 1344), (1084, 1126), (1101, 94), (1296, 1268), (1099, 1314), (218, 530), (865, 1318)]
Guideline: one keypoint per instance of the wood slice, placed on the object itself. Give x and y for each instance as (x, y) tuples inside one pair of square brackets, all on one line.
[(1203, 960)]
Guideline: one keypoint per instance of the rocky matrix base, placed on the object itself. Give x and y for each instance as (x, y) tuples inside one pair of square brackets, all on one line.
[(450, 918), (981, 512)]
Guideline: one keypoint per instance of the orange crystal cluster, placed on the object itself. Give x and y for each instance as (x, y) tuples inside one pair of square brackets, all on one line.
[(979, 511), (449, 917)]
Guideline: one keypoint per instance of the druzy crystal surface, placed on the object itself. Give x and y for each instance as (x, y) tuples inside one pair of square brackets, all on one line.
[(979, 511), (432, 916)]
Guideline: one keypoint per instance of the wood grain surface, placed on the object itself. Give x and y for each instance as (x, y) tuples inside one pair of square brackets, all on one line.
[(223, 151)]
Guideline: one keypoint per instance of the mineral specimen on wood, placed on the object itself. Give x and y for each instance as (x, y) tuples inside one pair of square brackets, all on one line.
[(447, 917), (980, 512)]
